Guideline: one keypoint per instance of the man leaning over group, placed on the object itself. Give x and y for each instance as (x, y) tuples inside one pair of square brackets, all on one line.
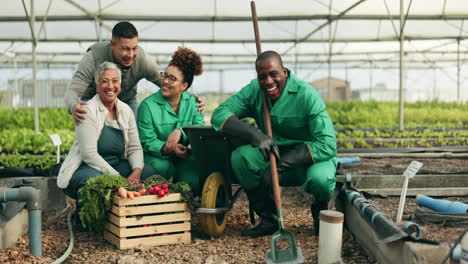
[(132, 60)]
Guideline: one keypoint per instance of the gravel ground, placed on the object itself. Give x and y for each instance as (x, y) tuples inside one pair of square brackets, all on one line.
[(231, 247)]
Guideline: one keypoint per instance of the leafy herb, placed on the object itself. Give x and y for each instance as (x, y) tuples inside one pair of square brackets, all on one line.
[(179, 187), (153, 180), (96, 200)]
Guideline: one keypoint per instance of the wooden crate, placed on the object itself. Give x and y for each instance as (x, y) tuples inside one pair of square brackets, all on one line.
[(148, 220)]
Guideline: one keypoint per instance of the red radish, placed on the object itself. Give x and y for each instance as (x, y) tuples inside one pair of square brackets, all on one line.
[(161, 193), (165, 186), (157, 188), (166, 190)]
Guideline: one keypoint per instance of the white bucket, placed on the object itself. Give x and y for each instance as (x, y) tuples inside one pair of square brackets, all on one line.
[(464, 249), (330, 238)]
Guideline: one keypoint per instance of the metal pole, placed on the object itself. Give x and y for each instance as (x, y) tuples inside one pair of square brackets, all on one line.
[(458, 71), (434, 83), (330, 92), (221, 84), (34, 69), (400, 94), (371, 79)]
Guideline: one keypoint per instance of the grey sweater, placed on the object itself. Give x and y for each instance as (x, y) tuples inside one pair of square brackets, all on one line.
[(82, 83)]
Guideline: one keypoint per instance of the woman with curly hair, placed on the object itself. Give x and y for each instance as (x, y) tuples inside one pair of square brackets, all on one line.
[(162, 115)]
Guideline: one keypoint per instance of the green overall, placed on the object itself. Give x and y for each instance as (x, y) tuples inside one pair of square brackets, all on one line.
[(111, 148), (298, 117), (156, 121)]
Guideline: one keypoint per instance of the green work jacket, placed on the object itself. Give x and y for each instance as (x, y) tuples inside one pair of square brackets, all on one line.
[(298, 116), (156, 120)]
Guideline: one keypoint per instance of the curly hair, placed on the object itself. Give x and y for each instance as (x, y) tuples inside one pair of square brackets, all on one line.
[(189, 62)]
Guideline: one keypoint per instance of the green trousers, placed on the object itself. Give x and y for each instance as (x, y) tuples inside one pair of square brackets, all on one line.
[(181, 170), (318, 179)]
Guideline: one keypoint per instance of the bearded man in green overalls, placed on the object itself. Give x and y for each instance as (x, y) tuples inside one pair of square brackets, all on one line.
[(303, 140)]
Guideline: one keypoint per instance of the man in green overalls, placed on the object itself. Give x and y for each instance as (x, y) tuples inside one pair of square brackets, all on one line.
[(303, 136)]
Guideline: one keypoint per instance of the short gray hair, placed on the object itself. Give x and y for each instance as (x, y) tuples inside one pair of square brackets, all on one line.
[(104, 67)]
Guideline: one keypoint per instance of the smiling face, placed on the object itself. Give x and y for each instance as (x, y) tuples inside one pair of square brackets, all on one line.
[(108, 86), (172, 82), (124, 50), (272, 77)]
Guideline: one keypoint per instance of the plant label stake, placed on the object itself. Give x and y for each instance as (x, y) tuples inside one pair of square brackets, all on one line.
[(57, 142), (408, 174)]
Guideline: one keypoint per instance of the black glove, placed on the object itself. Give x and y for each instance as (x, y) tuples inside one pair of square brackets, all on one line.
[(298, 157), (234, 127)]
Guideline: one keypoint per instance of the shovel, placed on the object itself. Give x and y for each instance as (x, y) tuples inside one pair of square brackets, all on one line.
[(291, 254)]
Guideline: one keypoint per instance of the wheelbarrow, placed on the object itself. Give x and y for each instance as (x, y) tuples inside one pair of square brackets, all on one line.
[(212, 152)]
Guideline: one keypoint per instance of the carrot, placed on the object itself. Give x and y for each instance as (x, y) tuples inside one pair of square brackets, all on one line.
[(122, 192), (142, 191), (130, 195), (136, 194)]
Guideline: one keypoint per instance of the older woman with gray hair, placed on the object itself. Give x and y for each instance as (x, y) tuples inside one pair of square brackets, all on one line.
[(106, 140)]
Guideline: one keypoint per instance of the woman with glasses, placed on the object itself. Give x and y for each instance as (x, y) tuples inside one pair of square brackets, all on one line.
[(162, 115)]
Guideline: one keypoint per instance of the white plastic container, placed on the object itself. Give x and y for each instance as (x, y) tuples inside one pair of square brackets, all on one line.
[(464, 250), (331, 236)]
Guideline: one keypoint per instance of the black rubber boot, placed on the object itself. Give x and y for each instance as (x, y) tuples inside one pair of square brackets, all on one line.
[(263, 205), (265, 226), (315, 209)]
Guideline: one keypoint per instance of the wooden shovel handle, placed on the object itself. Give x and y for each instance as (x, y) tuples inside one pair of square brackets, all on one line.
[(266, 111)]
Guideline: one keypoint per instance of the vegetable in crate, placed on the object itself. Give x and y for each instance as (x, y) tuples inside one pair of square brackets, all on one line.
[(154, 180), (96, 200)]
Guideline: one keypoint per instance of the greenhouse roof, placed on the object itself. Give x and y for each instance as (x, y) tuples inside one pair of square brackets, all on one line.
[(304, 31)]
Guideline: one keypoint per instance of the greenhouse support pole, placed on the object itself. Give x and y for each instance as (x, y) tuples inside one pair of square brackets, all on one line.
[(400, 94), (331, 93), (34, 69), (371, 79), (434, 84), (458, 71)]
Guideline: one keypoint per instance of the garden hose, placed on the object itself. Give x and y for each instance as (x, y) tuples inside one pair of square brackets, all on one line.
[(72, 239)]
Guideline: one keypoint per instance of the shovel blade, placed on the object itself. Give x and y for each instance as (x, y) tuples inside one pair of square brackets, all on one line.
[(291, 254)]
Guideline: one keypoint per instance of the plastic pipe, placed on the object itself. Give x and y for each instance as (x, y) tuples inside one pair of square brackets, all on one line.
[(350, 160), (32, 198), (72, 241), (441, 205), (330, 239), (412, 228)]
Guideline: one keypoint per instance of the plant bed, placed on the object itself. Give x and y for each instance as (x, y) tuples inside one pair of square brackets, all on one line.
[(148, 221), (436, 232)]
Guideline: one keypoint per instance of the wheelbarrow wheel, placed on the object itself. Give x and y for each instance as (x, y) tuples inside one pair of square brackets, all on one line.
[(214, 194)]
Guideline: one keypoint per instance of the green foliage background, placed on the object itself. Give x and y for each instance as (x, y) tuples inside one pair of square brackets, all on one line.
[(425, 121)]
